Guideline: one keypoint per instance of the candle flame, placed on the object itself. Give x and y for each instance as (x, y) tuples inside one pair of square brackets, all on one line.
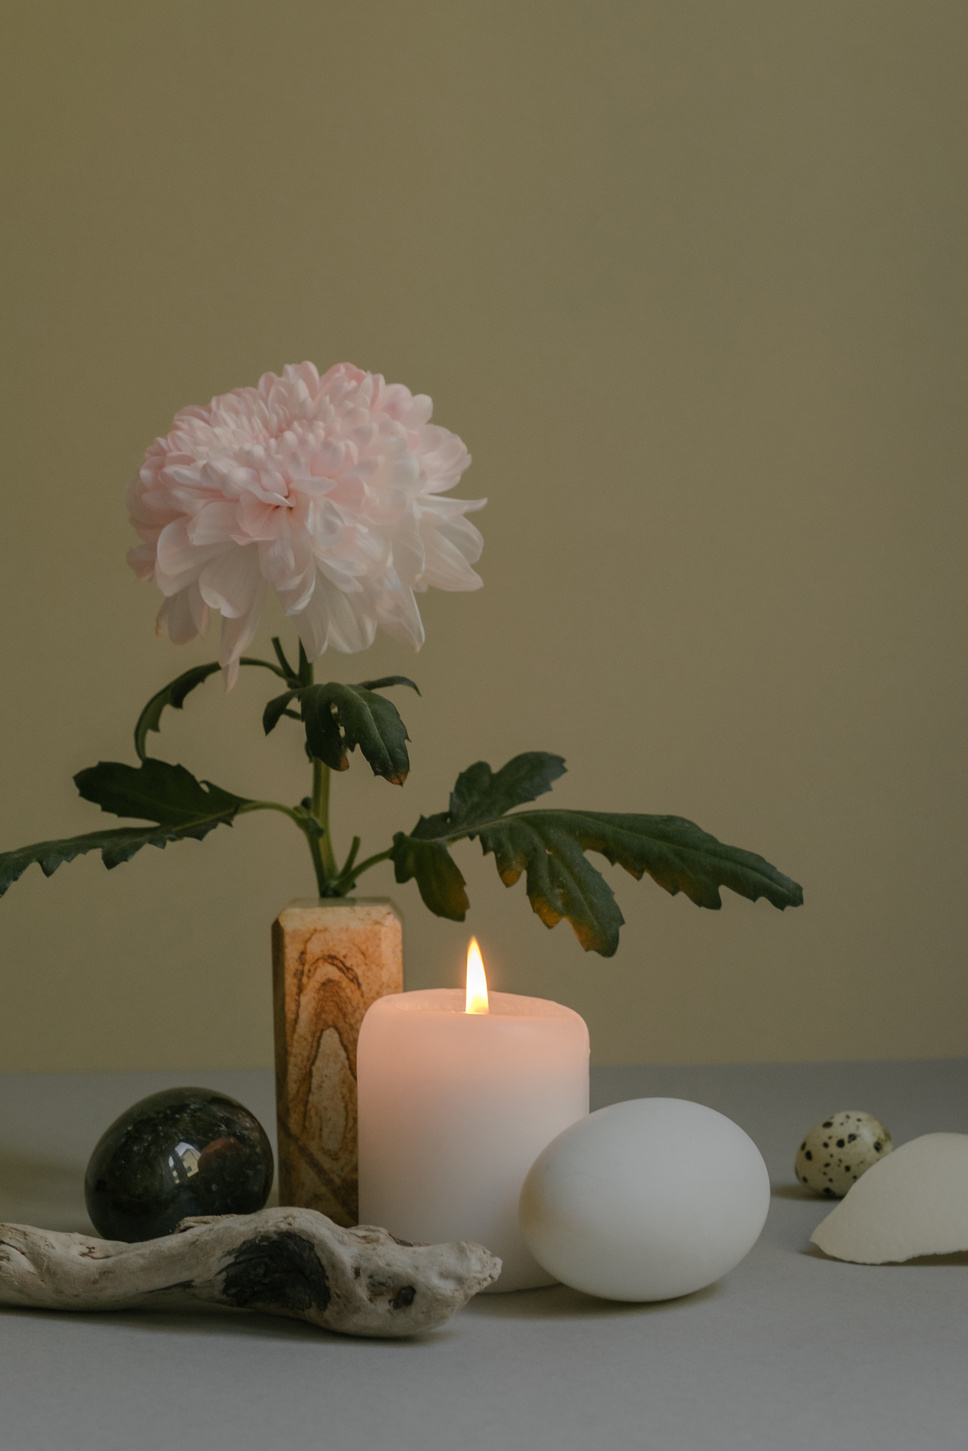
[(476, 1000)]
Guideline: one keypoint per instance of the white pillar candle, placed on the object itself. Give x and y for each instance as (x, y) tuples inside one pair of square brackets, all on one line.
[(457, 1097)]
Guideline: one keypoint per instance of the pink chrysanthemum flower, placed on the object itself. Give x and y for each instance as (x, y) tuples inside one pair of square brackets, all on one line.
[(330, 489)]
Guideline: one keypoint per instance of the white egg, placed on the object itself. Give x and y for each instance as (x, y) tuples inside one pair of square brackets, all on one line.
[(645, 1200)]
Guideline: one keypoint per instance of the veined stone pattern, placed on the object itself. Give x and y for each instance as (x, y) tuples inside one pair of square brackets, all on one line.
[(330, 962)]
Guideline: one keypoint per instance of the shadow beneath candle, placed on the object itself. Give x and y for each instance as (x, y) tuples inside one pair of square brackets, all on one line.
[(559, 1302)]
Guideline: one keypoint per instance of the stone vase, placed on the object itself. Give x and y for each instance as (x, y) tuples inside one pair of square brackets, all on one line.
[(330, 961)]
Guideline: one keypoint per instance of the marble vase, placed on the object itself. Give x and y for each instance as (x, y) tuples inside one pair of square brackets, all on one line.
[(330, 961)]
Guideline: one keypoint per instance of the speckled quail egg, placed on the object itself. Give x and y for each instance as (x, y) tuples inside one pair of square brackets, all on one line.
[(833, 1155)]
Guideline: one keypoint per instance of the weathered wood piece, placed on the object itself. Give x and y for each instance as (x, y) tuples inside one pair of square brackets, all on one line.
[(291, 1262), (330, 960)]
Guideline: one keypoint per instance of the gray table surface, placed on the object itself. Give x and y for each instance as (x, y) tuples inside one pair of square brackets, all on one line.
[(790, 1352)]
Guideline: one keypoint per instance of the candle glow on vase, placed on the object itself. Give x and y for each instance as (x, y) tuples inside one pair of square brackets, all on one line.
[(459, 1091)]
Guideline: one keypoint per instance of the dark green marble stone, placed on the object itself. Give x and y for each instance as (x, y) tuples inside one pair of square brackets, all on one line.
[(181, 1152)]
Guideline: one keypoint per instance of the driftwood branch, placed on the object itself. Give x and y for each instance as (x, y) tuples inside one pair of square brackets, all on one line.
[(292, 1262)]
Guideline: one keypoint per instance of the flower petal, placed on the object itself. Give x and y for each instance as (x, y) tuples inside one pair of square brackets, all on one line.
[(232, 581), (328, 489), (351, 626), (179, 562), (175, 619), (213, 524), (238, 634)]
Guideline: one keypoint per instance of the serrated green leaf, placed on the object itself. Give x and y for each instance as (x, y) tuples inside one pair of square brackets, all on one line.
[(481, 794), (156, 791), (386, 681), (439, 879), (178, 806), (175, 693), (338, 718), (549, 846), (561, 882), (116, 845), (276, 709)]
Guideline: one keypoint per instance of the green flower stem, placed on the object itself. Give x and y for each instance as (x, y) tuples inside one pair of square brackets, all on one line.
[(266, 665), (320, 809), (319, 867), (287, 672), (354, 853), (271, 806), (323, 878), (331, 880), (347, 878)]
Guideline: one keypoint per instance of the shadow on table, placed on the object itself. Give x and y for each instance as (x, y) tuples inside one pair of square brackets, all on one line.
[(798, 1191), (558, 1302), (214, 1320), (959, 1257), (203, 1321)]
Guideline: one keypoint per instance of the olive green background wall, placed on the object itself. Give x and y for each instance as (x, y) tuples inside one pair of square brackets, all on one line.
[(689, 279)]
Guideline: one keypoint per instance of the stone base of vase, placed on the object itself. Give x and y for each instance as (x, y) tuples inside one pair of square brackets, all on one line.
[(330, 961)]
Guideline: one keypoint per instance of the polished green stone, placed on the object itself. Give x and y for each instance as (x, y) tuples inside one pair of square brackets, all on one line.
[(181, 1152)]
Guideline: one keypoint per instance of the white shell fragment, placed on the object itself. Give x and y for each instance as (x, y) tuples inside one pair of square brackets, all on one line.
[(838, 1151), (915, 1202)]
